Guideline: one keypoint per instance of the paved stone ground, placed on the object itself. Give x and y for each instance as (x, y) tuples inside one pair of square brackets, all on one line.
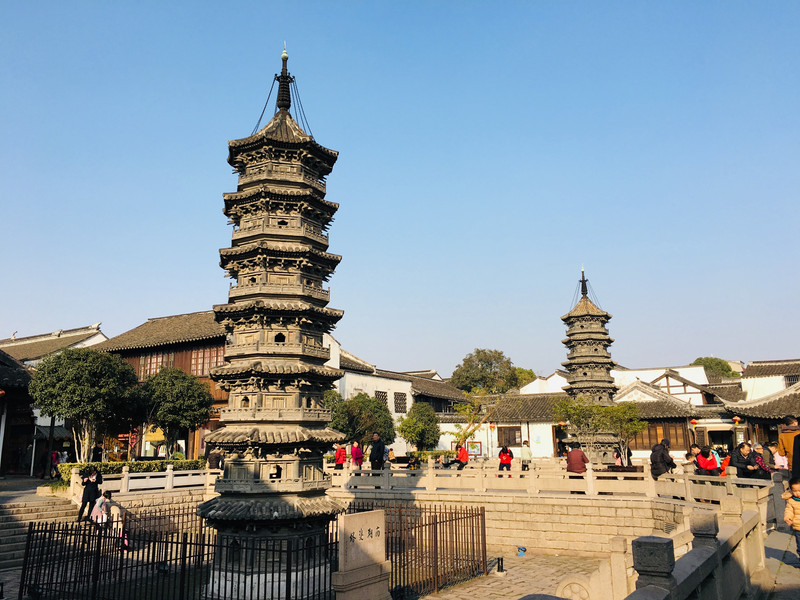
[(784, 566), (528, 575)]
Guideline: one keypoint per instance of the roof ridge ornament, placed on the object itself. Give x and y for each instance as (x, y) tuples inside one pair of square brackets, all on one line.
[(284, 80), (584, 281)]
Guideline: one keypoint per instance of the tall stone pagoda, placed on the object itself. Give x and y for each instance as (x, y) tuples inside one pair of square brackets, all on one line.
[(275, 433), (588, 361)]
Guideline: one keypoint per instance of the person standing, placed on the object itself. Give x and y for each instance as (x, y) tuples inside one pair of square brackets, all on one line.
[(376, 453), (356, 455), (786, 438), (660, 460), (526, 455), (505, 456), (340, 457), (97, 452), (91, 490)]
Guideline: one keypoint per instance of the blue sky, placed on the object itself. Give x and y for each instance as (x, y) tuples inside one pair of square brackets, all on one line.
[(487, 151)]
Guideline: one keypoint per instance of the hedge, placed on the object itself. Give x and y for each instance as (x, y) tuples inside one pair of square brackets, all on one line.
[(139, 466), (423, 455)]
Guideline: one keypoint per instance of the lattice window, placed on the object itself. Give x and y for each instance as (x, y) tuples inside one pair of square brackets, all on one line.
[(383, 397), (791, 380), (400, 403), (509, 436), (205, 359), (150, 364)]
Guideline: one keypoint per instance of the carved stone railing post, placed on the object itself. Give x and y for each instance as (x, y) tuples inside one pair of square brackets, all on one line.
[(532, 480), (649, 484), (124, 483), (590, 487), (619, 568), (778, 503), (75, 484), (687, 486), (654, 561), (705, 529), (170, 479)]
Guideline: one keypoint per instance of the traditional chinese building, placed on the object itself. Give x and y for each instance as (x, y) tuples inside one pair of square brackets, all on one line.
[(588, 363), (274, 432)]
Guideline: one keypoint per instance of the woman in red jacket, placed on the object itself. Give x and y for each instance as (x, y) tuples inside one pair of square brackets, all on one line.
[(340, 457), (706, 463), (505, 459)]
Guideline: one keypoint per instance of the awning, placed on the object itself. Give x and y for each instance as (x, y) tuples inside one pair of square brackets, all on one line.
[(59, 431)]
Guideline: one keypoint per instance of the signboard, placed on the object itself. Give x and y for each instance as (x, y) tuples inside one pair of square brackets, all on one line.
[(362, 539)]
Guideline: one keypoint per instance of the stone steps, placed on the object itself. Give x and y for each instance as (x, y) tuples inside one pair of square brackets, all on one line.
[(14, 519)]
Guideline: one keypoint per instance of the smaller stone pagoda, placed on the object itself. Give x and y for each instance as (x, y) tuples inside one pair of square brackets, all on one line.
[(588, 361)]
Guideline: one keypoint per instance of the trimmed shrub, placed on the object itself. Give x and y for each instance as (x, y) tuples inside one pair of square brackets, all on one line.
[(423, 455), (139, 466)]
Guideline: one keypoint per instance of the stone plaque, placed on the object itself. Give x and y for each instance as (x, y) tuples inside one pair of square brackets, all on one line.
[(362, 539)]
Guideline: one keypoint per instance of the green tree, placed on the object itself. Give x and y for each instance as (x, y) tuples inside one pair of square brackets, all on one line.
[(475, 410), (524, 376), (485, 372), (177, 401), (420, 427), (623, 420), (715, 367), (89, 388), (585, 420), (360, 416)]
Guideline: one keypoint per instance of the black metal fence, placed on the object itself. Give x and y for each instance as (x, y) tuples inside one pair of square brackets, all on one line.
[(430, 547), (170, 555)]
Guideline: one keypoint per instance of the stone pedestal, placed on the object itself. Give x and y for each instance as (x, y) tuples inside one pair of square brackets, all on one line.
[(363, 568)]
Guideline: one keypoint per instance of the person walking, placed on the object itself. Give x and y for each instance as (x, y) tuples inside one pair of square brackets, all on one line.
[(526, 455), (376, 453), (786, 438), (340, 457), (356, 455), (660, 460), (91, 490)]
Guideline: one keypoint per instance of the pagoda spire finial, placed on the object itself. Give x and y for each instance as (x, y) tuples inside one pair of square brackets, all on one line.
[(584, 281), (284, 79)]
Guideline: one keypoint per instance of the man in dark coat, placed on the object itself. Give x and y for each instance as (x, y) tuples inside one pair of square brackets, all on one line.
[(660, 460), (90, 481), (377, 452), (744, 460)]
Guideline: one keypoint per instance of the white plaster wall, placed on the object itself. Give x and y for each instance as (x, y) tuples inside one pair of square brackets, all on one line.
[(758, 387), (552, 384), (539, 435), (697, 374)]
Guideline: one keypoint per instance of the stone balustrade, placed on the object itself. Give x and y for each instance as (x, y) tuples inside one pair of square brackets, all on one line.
[(149, 482)]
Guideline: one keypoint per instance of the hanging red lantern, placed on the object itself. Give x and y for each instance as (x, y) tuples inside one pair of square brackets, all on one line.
[(737, 419), (562, 423), (693, 422), (2, 393), (491, 426)]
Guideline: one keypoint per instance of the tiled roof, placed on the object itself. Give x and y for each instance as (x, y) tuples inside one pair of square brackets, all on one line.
[(257, 367), (427, 374), (425, 387), (262, 508), (260, 434), (767, 368), (536, 408), (729, 390), (164, 331), (38, 346), (12, 373), (654, 403), (585, 307), (348, 364), (774, 406)]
